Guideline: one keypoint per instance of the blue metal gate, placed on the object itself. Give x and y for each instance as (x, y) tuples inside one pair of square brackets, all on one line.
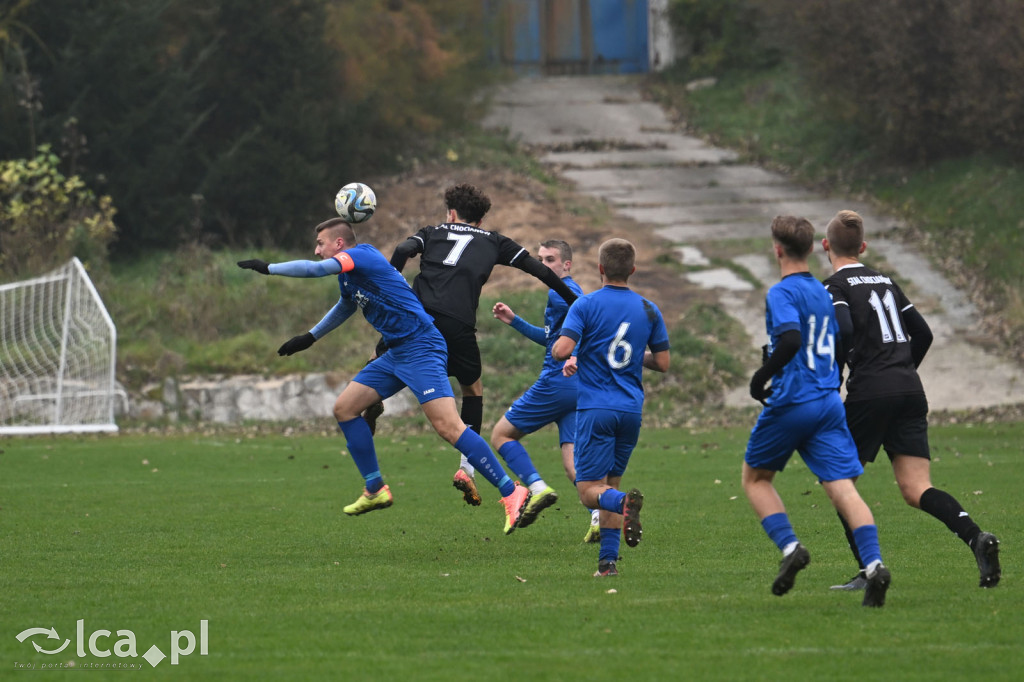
[(573, 36)]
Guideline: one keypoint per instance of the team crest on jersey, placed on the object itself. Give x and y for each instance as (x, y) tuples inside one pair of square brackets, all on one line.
[(361, 298)]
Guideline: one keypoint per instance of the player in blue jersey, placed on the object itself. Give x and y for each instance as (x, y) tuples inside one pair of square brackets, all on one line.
[(551, 399), (803, 412), (416, 358), (610, 332)]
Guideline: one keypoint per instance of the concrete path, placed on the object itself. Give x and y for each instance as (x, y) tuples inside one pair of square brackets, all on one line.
[(603, 136)]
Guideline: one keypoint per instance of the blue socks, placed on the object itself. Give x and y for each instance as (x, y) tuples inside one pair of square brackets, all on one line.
[(611, 500), (780, 530), (518, 460), (610, 538), (479, 454), (866, 538), (360, 445)]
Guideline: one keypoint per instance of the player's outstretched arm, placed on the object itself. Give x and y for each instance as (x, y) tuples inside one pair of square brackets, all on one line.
[(256, 264), (293, 268), (334, 318), (534, 267), (503, 312), (507, 315), (296, 344), (404, 251)]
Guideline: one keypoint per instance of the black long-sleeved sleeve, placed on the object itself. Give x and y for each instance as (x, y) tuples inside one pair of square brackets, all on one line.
[(534, 267), (844, 344), (403, 252), (920, 334), (785, 350)]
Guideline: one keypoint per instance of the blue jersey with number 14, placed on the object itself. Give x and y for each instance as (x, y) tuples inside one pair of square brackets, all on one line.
[(800, 302), (612, 327)]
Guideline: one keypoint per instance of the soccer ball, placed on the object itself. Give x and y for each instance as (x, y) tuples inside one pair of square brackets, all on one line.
[(355, 202)]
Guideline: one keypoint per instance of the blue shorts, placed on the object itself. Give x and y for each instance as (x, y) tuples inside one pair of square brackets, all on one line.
[(604, 442), (421, 363), (551, 399), (816, 429)]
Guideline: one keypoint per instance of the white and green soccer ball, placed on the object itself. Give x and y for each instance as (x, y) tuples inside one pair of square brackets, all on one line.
[(355, 202)]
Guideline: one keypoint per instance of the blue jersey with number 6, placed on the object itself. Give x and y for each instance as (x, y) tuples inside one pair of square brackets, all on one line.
[(800, 302), (612, 327)]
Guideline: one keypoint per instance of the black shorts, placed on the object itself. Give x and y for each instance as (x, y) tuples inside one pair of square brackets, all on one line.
[(463, 351), (897, 422)]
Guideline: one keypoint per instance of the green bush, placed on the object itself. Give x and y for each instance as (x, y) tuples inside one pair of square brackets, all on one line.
[(233, 122), (719, 35), (930, 80), (47, 217)]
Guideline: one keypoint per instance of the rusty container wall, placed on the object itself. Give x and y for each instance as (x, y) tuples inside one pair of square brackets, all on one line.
[(573, 36), (520, 31)]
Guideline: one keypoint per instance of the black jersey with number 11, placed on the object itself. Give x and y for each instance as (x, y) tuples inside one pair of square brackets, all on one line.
[(880, 360)]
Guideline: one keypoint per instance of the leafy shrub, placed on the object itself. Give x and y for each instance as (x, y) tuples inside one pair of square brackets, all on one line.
[(930, 79), (47, 217), (719, 35)]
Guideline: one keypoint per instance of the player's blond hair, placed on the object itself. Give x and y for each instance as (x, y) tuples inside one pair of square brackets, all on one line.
[(845, 233), (618, 258)]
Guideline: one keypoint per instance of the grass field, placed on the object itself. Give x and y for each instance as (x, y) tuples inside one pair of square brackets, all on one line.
[(154, 534)]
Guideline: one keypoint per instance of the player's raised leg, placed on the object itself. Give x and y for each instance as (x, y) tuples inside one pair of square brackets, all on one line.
[(505, 438), (445, 419)]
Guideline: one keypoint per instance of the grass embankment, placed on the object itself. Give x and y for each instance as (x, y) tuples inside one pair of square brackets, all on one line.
[(967, 212)]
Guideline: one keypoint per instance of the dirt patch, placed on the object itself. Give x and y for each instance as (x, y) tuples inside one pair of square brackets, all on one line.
[(521, 209)]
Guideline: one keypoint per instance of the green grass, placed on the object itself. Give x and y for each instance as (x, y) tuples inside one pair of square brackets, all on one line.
[(196, 313), (153, 534)]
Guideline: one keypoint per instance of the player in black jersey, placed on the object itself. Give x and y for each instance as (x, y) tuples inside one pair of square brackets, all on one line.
[(885, 338), (456, 259)]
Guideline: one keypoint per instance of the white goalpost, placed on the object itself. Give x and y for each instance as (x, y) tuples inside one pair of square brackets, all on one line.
[(58, 347)]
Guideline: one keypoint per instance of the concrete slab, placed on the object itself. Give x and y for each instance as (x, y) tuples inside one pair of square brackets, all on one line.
[(819, 212), (671, 178), (719, 278), (646, 157), (688, 196), (609, 141)]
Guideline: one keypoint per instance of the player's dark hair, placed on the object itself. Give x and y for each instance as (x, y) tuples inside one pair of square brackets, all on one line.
[(469, 202), (343, 227), (564, 250), (618, 258), (795, 235), (845, 233)]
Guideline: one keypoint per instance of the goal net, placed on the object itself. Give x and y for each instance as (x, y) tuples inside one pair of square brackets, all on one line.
[(57, 351)]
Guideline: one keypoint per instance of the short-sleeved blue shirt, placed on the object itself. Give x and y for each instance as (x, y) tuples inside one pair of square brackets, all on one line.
[(613, 326), (800, 302)]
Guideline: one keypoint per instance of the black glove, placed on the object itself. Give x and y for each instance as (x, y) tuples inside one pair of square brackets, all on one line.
[(758, 390), (296, 343), (259, 266), (764, 355), (381, 348)]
